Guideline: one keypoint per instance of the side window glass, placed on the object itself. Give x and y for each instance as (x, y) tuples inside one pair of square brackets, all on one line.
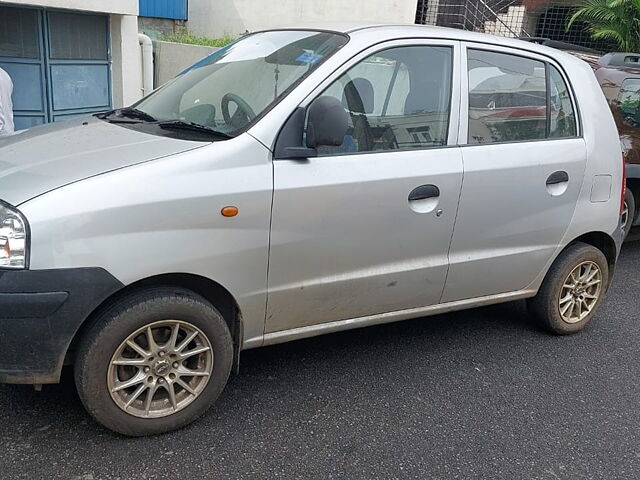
[(563, 118), (629, 101), (507, 98), (396, 99)]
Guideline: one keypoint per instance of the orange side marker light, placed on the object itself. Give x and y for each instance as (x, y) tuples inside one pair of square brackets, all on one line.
[(230, 211)]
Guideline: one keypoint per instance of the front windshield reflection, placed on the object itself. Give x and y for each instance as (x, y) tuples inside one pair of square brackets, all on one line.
[(229, 89)]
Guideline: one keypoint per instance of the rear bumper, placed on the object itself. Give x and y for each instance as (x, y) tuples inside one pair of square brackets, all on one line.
[(40, 312)]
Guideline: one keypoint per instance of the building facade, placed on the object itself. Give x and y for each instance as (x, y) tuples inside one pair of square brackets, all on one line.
[(234, 17), (69, 57), (510, 18)]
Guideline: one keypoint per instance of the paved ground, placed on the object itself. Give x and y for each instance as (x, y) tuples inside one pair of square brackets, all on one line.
[(477, 394)]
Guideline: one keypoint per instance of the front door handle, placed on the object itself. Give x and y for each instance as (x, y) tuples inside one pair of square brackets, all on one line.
[(423, 192), (558, 177), (424, 199)]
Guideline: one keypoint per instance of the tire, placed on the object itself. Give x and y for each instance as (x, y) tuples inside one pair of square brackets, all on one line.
[(104, 361), (546, 306), (630, 203)]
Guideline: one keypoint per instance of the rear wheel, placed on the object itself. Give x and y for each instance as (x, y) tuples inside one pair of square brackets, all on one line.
[(573, 289), (153, 362)]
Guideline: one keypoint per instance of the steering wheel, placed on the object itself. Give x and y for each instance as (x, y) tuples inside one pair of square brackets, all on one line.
[(243, 114)]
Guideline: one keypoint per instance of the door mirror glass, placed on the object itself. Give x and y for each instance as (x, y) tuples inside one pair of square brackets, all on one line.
[(327, 123)]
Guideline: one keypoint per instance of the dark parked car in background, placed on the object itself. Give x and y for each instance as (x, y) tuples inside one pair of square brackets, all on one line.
[(619, 77)]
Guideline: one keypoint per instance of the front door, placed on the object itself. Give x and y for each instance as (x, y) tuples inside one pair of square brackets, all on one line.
[(364, 228), (523, 169)]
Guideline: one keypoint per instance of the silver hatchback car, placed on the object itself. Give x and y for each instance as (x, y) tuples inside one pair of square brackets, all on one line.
[(295, 183)]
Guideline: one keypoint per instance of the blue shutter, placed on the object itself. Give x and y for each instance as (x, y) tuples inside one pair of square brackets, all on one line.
[(174, 9)]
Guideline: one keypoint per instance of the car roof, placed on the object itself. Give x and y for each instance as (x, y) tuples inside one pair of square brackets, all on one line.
[(383, 32)]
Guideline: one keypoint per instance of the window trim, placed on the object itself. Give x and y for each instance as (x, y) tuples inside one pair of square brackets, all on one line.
[(455, 92), (463, 138)]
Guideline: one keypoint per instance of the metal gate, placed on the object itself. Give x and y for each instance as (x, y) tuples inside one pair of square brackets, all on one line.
[(511, 18), (59, 62)]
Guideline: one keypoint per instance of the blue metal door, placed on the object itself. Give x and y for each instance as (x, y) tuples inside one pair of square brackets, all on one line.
[(59, 63), (22, 57), (173, 9)]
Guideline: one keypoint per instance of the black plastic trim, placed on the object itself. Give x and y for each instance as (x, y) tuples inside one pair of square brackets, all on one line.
[(289, 142), (31, 305), (40, 313)]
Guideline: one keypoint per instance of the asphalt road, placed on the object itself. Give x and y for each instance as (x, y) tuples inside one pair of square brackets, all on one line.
[(476, 394)]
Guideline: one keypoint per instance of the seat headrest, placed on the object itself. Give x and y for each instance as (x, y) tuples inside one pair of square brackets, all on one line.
[(358, 96)]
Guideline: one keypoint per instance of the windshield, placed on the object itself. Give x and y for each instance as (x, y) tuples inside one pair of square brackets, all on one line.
[(229, 89)]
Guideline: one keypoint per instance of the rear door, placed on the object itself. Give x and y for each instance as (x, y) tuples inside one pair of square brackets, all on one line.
[(364, 228), (524, 163)]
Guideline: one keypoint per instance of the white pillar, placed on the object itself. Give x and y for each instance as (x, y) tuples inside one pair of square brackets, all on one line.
[(126, 70)]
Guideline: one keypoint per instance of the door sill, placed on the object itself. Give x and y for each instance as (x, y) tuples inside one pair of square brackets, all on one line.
[(340, 325)]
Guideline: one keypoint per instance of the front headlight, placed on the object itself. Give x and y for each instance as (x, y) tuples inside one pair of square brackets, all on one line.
[(14, 238)]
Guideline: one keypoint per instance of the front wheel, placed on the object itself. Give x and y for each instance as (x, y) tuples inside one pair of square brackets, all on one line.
[(573, 289), (153, 362)]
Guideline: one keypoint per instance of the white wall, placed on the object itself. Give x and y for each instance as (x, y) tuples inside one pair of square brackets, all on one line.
[(126, 60), (123, 7), (214, 18)]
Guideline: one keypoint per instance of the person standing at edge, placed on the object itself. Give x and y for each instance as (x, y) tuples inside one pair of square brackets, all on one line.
[(6, 106)]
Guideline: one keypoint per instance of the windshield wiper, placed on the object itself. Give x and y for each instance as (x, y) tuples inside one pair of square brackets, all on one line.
[(130, 112), (193, 127), (126, 115)]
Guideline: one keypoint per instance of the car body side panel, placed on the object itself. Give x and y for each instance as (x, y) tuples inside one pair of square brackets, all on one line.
[(346, 243), (164, 217), (508, 223)]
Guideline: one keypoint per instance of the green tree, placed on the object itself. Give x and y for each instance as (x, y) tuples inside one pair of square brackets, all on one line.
[(616, 21)]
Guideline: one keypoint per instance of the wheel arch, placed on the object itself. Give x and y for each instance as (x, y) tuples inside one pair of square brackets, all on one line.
[(603, 242), (210, 290)]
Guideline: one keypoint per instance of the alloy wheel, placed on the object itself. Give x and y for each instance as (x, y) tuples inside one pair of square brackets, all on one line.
[(160, 369), (580, 292)]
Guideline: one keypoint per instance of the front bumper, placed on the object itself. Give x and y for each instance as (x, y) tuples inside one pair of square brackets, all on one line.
[(40, 312)]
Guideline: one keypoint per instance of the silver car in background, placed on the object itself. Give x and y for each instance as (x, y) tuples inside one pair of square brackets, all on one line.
[(295, 183)]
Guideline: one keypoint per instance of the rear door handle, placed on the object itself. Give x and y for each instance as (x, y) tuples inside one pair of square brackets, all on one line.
[(424, 192), (558, 177)]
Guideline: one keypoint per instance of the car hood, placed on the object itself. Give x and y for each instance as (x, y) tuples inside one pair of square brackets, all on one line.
[(51, 156)]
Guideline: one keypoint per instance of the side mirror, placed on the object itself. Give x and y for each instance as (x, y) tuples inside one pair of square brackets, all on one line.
[(327, 123)]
